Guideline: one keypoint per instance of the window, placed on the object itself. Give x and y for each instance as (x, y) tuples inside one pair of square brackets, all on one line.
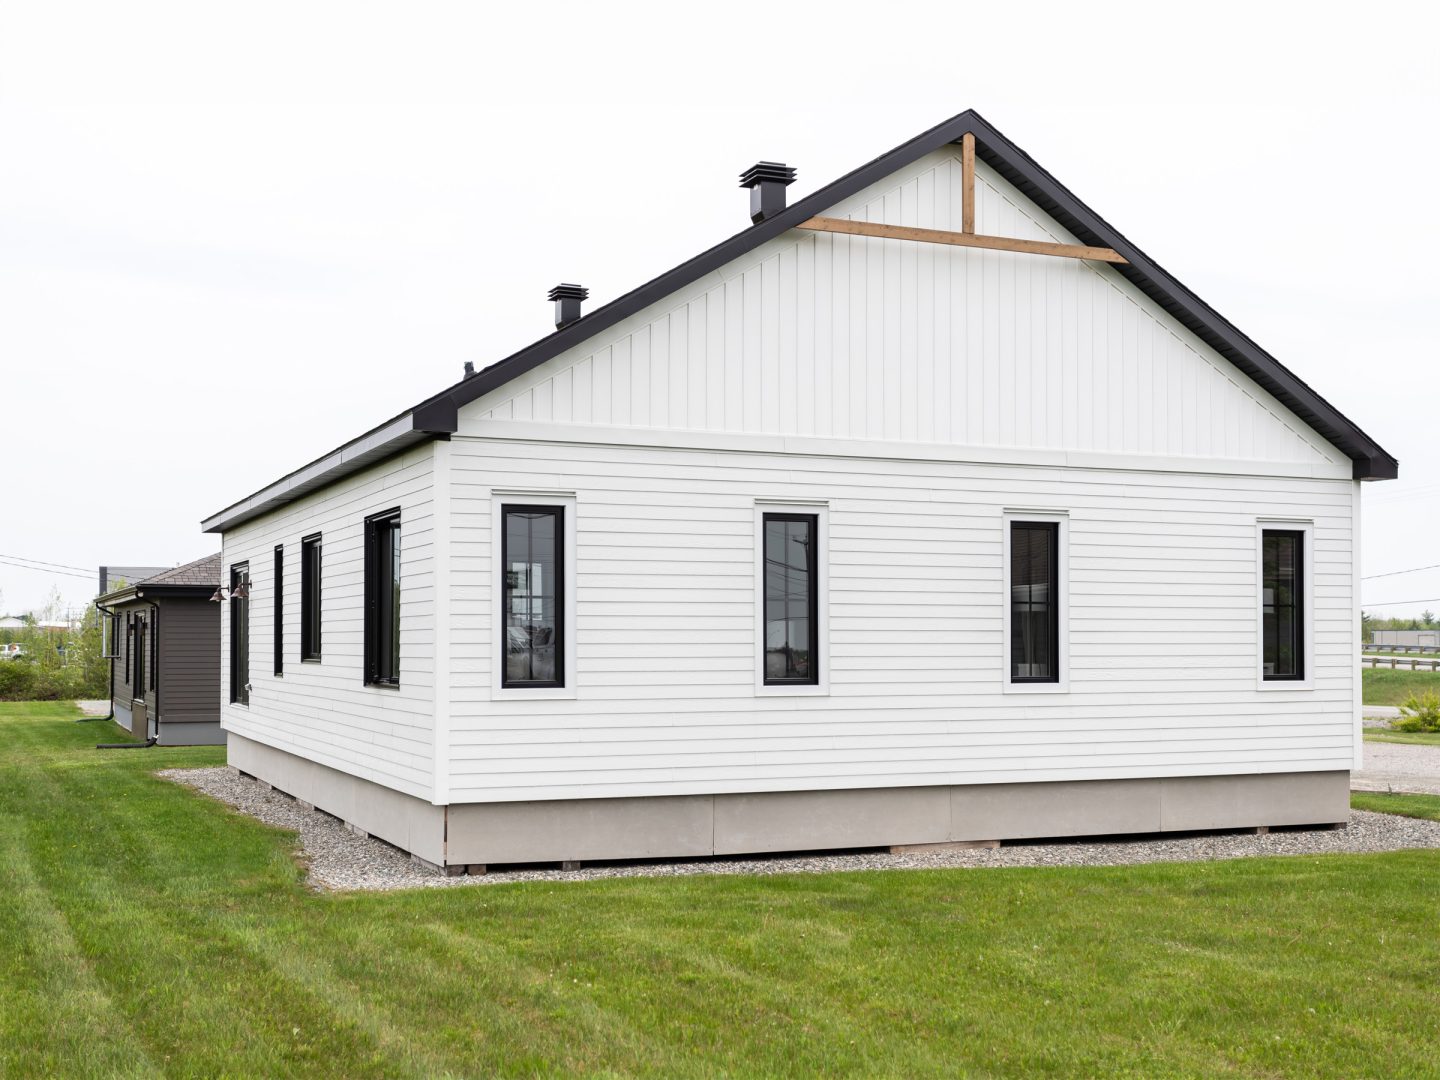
[(382, 599), (790, 558), (532, 558), (278, 625), (1034, 617), (1282, 591), (112, 650), (138, 686), (240, 633), (130, 650), (310, 598)]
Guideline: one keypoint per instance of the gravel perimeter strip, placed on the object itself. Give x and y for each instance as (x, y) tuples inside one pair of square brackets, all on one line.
[(338, 859)]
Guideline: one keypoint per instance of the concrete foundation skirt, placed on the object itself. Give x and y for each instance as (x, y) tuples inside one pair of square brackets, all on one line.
[(678, 826)]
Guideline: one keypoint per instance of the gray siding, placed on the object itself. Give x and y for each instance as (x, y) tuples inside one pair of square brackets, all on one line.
[(189, 661)]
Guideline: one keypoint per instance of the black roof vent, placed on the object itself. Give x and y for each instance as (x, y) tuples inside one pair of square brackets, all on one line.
[(767, 181), (567, 303)]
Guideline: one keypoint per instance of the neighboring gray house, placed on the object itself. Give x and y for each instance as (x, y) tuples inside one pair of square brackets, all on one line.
[(163, 640)]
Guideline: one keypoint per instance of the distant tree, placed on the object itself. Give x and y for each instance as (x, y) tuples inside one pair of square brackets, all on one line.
[(1428, 618)]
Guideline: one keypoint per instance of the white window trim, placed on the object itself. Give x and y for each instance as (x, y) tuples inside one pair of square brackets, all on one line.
[(1307, 618), (1062, 519), (498, 692), (821, 509)]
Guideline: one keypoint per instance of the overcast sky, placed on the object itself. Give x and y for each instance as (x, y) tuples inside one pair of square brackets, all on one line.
[(235, 236)]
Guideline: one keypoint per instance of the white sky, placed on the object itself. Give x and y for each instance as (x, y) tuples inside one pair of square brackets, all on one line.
[(235, 236)]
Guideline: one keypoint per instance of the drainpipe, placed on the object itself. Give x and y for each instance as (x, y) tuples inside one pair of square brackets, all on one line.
[(105, 613)]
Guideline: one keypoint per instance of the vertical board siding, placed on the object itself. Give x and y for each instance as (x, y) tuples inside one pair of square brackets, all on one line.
[(323, 711), (881, 339), (1162, 628)]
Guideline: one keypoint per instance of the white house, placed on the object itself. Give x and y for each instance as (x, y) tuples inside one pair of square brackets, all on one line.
[(926, 509)]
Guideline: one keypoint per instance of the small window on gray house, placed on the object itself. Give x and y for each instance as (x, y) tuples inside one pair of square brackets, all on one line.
[(532, 557), (240, 633), (1034, 602), (791, 599), (1282, 591), (310, 598), (382, 599)]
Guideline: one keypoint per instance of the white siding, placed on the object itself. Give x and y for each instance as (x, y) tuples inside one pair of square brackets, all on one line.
[(859, 338), (1162, 627), (323, 711)]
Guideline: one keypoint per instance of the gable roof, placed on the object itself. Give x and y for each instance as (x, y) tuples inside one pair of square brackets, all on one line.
[(193, 578), (437, 416), (204, 571)]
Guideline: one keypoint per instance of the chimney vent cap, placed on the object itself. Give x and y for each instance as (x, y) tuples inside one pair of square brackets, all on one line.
[(773, 171), (565, 291)]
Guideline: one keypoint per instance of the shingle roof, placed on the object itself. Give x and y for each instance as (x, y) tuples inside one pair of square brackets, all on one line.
[(204, 571)]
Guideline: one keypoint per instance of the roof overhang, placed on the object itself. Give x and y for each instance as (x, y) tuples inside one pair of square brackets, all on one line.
[(401, 433), (437, 415)]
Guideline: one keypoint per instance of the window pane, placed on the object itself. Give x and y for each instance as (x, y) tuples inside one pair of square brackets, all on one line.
[(790, 600), (1282, 643), (532, 596), (240, 634), (310, 598), (1034, 609), (395, 599)]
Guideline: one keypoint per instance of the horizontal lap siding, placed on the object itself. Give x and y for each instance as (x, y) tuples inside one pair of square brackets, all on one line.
[(1162, 628), (189, 660), (324, 711)]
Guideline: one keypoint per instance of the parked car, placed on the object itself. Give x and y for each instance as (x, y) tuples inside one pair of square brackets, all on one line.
[(12, 651)]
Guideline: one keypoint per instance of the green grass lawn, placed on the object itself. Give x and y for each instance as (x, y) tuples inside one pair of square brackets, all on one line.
[(1418, 806), (147, 930), (1381, 686)]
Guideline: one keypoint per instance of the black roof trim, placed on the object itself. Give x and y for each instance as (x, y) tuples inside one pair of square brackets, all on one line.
[(437, 416), (1371, 460)]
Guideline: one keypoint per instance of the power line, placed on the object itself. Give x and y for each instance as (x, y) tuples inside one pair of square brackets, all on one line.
[(1393, 603), (42, 562), (41, 570), (1397, 573)]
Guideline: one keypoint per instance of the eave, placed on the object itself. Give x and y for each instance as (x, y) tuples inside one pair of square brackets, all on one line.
[(437, 415)]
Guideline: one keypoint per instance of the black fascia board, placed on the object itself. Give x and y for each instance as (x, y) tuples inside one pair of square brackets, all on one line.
[(438, 416), (1371, 462)]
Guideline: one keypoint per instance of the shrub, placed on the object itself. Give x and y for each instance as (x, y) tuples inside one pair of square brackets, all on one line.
[(1420, 712)]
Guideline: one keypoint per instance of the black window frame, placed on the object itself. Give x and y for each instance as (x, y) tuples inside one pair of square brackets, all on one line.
[(113, 652), (240, 634), (558, 513), (382, 617), (311, 597), (1052, 605), (129, 648), (812, 570), (141, 641), (278, 609), (1297, 605)]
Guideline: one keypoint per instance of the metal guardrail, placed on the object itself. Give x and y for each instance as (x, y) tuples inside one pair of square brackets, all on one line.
[(1422, 649), (1413, 663)]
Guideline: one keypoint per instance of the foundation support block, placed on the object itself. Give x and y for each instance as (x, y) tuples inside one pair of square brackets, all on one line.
[(943, 846), (475, 869), (570, 864), (361, 833)]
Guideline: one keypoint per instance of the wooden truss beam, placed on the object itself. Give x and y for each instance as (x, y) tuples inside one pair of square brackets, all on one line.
[(961, 239), (967, 183)]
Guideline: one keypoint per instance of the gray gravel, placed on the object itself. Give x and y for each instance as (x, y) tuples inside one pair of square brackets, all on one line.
[(339, 860)]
